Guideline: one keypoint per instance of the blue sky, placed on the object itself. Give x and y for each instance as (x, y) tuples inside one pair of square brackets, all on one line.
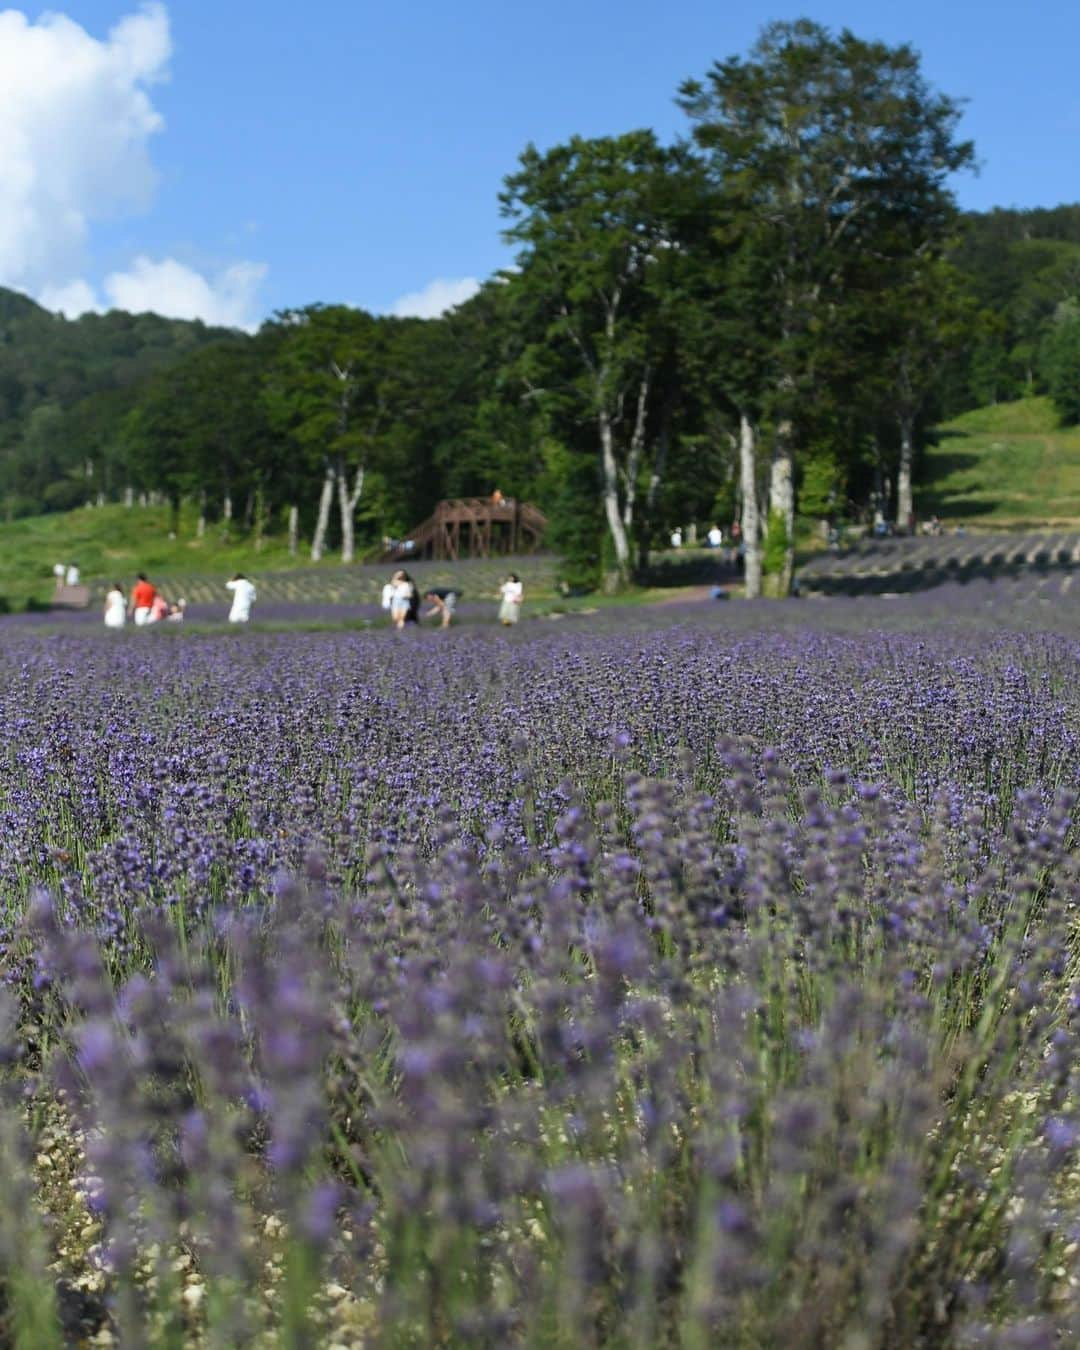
[(270, 154)]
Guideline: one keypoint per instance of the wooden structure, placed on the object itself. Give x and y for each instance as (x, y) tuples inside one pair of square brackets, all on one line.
[(473, 527), (71, 597)]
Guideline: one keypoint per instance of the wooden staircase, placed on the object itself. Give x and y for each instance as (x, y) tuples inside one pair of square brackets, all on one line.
[(473, 527)]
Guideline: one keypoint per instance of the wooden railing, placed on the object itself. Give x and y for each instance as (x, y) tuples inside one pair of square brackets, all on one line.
[(475, 527)]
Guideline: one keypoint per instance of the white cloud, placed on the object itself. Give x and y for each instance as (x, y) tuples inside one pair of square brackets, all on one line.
[(171, 288), (436, 298), (71, 300), (75, 123)]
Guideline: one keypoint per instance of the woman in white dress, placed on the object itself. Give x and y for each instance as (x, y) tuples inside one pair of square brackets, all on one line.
[(115, 607), (243, 593), (512, 593)]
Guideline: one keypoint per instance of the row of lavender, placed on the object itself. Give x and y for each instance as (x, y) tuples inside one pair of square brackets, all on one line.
[(663, 985)]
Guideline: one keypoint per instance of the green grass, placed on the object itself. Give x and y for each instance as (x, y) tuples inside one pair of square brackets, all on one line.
[(1003, 466), (113, 543)]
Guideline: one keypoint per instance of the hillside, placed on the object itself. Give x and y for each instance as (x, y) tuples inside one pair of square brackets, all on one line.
[(65, 388), (112, 543), (1004, 466)]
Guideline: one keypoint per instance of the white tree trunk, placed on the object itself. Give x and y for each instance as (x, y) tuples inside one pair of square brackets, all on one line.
[(751, 525), (904, 499), (637, 448), (260, 518), (129, 497), (782, 498), (322, 522), (611, 499), (294, 531), (347, 501)]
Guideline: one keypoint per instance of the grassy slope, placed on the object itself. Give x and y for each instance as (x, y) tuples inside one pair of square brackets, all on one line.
[(112, 543), (1010, 464)]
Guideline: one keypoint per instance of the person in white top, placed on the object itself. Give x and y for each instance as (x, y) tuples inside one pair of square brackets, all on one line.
[(404, 600), (115, 607), (243, 598), (716, 537), (512, 593), (71, 577)]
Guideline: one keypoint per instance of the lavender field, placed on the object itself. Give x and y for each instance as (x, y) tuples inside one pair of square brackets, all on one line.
[(686, 977)]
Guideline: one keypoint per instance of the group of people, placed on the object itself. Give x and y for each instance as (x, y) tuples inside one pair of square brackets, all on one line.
[(148, 605), (401, 598), (66, 574)]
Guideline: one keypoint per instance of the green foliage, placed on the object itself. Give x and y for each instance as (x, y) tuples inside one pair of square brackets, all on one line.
[(821, 490), (1061, 357), (568, 490), (775, 545)]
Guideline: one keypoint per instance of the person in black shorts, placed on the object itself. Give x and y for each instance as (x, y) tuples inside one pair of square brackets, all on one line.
[(443, 600)]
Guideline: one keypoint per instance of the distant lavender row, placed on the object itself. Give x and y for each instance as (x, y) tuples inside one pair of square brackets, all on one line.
[(636, 980)]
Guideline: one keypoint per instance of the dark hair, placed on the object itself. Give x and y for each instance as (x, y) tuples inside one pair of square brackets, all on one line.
[(239, 576), (514, 576), (141, 576)]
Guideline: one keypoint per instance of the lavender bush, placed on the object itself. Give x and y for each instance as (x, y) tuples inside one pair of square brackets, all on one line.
[(654, 982)]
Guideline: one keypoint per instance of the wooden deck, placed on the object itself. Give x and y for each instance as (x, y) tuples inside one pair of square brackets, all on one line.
[(473, 527)]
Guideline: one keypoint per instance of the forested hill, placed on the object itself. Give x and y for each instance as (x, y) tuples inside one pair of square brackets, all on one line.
[(1022, 271), (65, 389)]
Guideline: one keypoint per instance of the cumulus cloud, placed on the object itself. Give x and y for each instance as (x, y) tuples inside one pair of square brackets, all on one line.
[(169, 288), (71, 299), (180, 292), (75, 123), (436, 298)]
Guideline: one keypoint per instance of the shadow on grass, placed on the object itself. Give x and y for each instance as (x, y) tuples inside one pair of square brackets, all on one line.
[(904, 581), (697, 569)]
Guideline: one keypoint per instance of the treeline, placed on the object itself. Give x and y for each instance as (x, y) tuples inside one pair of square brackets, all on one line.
[(766, 318)]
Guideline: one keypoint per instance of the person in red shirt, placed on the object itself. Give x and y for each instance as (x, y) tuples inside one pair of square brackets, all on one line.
[(142, 598)]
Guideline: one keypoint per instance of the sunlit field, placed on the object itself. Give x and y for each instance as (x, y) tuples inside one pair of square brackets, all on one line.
[(684, 976)]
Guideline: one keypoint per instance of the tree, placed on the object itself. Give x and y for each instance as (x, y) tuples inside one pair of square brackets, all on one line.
[(832, 157), (920, 321), (1061, 358), (329, 392), (596, 220)]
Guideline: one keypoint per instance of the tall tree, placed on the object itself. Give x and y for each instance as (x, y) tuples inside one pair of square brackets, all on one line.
[(329, 392), (595, 221), (832, 155)]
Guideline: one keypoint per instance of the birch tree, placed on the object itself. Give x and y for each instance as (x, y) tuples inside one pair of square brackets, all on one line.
[(331, 393), (833, 156), (596, 222)]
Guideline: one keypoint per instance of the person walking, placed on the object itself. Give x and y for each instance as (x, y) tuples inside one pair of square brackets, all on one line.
[(243, 598), (142, 597), (512, 593), (405, 599), (115, 607)]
